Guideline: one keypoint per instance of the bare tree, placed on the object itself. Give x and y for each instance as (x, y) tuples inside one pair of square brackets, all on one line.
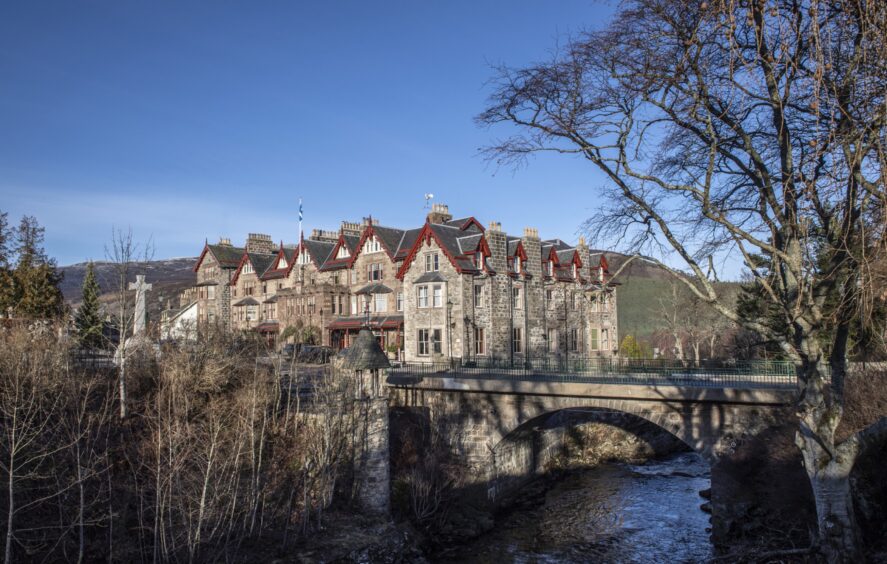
[(749, 128), (125, 255)]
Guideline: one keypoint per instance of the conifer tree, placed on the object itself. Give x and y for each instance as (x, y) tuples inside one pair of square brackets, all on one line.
[(88, 320), (35, 280), (6, 281)]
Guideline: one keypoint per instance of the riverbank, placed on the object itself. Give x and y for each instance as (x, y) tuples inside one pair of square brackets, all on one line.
[(615, 512)]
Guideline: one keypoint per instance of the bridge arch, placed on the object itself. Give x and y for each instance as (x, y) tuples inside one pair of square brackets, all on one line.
[(541, 436)]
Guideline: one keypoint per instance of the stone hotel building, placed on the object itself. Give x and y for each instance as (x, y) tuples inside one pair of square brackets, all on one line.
[(449, 288)]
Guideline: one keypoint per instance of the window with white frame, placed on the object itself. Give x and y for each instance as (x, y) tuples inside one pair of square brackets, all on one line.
[(549, 268), (552, 340), (517, 342), (282, 263), (252, 312), (210, 292), (381, 303), (374, 271), (478, 295), (423, 342), (399, 301), (304, 257), (432, 262), (422, 296), (595, 344), (247, 268), (437, 296), (436, 341), (479, 343), (516, 295), (343, 252), (372, 245), (354, 310)]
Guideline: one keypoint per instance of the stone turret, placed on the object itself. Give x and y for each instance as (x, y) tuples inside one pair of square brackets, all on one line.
[(365, 361), (440, 213)]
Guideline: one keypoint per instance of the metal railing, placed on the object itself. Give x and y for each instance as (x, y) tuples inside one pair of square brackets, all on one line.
[(598, 370)]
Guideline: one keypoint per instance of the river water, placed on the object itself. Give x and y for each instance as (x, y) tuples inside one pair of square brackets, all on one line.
[(610, 513)]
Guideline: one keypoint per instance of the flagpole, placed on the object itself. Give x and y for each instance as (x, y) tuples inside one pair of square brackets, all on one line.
[(300, 220)]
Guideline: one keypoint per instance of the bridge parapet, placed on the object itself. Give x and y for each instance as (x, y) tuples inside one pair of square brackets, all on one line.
[(772, 375)]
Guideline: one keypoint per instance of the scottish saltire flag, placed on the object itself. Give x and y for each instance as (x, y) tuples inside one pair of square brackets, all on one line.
[(300, 209)]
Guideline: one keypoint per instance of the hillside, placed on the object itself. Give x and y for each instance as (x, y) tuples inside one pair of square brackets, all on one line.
[(169, 277), (643, 286)]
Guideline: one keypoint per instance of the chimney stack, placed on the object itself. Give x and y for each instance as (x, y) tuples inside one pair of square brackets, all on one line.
[(224, 241), (440, 213), (350, 228), (259, 243), (531, 233)]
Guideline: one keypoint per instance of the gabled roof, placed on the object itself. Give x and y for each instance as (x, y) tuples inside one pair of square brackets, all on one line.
[(275, 270), (389, 238), (407, 240), (319, 251), (226, 255), (447, 238), (469, 224), (260, 262), (569, 256)]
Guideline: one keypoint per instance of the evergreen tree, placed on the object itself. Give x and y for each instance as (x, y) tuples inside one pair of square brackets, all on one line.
[(6, 281), (35, 289), (630, 348), (88, 320)]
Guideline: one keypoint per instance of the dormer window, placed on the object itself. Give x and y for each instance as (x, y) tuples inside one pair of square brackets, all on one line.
[(248, 268), (342, 253), (372, 245), (304, 257), (282, 263), (575, 271), (549, 268), (478, 259), (518, 265)]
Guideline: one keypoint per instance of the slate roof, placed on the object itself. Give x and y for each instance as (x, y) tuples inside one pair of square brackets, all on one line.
[(407, 240), (247, 301), (319, 250), (262, 262), (565, 256), (448, 237), (430, 277), (227, 256), (375, 288), (364, 353), (390, 238), (468, 243)]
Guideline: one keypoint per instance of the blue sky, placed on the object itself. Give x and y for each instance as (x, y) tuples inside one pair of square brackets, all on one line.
[(189, 120)]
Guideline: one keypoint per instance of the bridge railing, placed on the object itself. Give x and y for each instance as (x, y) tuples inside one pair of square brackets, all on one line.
[(709, 374)]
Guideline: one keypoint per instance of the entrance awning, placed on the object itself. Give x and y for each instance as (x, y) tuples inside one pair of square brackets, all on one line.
[(375, 322), (268, 327)]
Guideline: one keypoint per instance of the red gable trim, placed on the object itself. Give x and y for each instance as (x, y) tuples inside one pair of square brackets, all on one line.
[(243, 260), (425, 236), (202, 255), (296, 253), (603, 264), (472, 221), (519, 251), (552, 256), (367, 233)]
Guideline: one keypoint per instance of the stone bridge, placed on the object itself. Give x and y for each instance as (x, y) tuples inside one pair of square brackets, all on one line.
[(507, 425)]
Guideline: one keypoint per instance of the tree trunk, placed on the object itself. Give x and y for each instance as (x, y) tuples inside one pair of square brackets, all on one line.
[(830, 479)]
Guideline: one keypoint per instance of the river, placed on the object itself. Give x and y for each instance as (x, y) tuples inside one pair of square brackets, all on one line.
[(610, 513)]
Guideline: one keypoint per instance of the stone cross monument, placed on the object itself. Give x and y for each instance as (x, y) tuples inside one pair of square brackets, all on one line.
[(141, 318)]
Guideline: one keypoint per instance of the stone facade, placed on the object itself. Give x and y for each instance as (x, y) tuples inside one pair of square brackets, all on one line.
[(447, 289)]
